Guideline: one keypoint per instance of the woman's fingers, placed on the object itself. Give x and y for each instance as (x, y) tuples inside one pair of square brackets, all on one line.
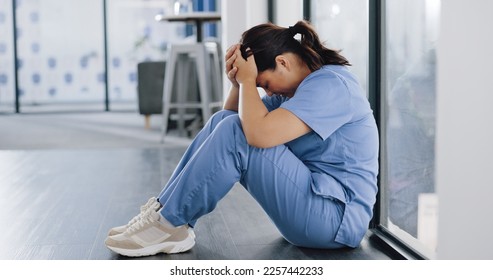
[(238, 62), (230, 57), (246, 69), (232, 73), (232, 76), (230, 51), (229, 64)]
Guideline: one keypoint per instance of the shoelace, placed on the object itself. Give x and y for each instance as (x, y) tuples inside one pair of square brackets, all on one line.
[(151, 203), (146, 218)]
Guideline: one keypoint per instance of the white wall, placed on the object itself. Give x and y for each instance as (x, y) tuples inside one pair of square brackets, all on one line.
[(238, 16), (464, 138), (288, 12)]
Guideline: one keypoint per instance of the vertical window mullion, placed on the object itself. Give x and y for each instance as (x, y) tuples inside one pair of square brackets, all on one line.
[(376, 31), (16, 67)]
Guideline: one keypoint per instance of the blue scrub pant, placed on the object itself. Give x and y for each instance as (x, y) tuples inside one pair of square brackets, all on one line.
[(219, 157)]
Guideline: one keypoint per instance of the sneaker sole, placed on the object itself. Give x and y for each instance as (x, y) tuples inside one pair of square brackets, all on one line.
[(115, 232), (167, 248)]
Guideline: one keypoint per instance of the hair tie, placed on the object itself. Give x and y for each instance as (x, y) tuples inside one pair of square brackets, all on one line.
[(292, 31)]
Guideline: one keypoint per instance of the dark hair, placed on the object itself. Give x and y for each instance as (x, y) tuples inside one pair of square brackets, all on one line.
[(266, 41)]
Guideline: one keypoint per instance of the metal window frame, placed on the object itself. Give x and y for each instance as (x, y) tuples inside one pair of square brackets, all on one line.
[(406, 248), (15, 49), (376, 80)]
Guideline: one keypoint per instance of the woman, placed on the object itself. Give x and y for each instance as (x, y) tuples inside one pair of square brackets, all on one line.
[(307, 151)]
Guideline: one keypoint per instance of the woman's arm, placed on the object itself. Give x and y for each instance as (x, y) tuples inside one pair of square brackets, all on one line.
[(231, 102), (263, 129)]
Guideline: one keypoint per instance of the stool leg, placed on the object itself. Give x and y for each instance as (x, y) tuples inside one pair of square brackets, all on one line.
[(216, 75), (183, 69), (169, 76), (147, 121), (202, 69)]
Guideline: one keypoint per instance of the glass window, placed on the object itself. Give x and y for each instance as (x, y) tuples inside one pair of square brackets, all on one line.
[(134, 36), (60, 54), (7, 86), (343, 24), (409, 204), (61, 50)]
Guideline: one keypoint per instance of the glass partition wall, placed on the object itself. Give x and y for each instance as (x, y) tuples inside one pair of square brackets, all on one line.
[(343, 25), (134, 37), (7, 75), (82, 55), (60, 54)]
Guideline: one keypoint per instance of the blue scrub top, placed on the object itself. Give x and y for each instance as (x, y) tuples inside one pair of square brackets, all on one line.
[(342, 149)]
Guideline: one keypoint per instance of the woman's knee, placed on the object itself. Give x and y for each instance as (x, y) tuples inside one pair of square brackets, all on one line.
[(218, 117), (229, 129), (231, 124), (222, 114), (227, 119)]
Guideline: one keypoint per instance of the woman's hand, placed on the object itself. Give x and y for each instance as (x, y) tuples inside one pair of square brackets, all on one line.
[(246, 70), (230, 58)]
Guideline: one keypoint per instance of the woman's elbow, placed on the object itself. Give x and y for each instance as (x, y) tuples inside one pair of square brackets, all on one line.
[(258, 141)]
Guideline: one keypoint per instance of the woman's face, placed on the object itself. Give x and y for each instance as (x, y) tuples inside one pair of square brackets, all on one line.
[(285, 78), (277, 82)]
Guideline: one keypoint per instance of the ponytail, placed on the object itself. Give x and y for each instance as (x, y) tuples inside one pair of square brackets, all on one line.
[(266, 41), (314, 53)]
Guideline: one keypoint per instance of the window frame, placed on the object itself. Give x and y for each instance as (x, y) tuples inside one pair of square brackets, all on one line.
[(408, 249)]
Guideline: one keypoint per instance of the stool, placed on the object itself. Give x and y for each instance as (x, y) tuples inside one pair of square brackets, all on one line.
[(205, 57)]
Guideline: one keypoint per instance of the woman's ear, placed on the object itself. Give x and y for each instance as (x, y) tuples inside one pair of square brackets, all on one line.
[(282, 61)]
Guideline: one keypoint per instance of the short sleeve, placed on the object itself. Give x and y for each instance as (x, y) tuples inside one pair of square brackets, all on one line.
[(323, 102), (272, 102)]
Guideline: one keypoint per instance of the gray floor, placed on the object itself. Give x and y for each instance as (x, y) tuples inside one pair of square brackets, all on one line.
[(72, 177), (89, 130)]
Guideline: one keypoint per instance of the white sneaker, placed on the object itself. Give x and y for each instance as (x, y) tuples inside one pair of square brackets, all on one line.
[(150, 235), (152, 203)]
